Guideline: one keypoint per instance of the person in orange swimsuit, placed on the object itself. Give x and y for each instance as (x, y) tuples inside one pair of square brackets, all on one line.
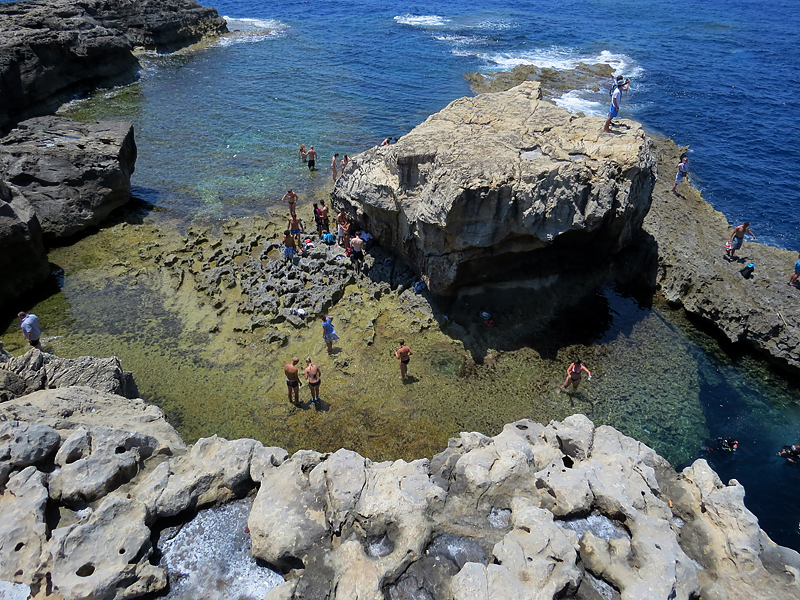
[(574, 375)]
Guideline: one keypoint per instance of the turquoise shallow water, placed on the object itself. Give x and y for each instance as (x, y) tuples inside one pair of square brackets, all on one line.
[(218, 131)]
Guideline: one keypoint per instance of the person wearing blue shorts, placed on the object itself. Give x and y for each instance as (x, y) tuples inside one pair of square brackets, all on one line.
[(619, 87), (796, 274)]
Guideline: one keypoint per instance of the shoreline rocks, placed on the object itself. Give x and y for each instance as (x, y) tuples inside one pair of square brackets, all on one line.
[(501, 186), (72, 174), (52, 50), (564, 510), (687, 238)]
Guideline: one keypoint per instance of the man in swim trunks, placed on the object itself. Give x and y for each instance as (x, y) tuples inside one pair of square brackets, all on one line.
[(293, 380), (574, 371), (313, 375), (288, 245), (357, 257), (323, 214), (296, 227), (683, 172), (403, 354), (796, 274), (312, 158), (291, 197), (620, 86), (737, 238)]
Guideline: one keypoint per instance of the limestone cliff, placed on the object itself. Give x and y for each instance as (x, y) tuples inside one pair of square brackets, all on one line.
[(563, 510), (501, 186)]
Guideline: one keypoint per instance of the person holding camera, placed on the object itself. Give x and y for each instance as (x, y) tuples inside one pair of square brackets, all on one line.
[(619, 87)]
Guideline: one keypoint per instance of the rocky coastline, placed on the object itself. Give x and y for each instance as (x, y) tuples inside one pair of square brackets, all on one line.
[(564, 510)]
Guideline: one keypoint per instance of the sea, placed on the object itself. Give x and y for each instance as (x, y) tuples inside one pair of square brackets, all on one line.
[(218, 131)]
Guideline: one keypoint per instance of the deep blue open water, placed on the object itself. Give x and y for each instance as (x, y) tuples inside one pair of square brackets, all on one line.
[(218, 132)]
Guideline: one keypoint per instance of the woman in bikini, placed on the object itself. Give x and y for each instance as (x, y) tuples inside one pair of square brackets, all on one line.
[(574, 375), (313, 374)]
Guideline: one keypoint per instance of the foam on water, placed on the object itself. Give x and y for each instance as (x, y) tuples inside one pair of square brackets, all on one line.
[(250, 31), (576, 101), (210, 557), (421, 20)]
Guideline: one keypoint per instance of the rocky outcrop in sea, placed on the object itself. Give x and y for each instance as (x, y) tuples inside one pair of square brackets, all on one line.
[(564, 510), (52, 50), (502, 186)]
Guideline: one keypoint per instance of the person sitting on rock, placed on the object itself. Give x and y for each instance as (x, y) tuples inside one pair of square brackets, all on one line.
[(793, 277)]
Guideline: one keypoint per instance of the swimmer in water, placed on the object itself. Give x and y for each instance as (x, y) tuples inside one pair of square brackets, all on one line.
[(574, 375)]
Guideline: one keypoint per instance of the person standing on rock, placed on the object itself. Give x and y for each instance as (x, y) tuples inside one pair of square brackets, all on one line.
[(357, 257), (737, 238), (328, 332), (296, 227), (793, 277), (619, 87), (342, 228), (574, 371), (313, 375), (30, 329), (311, 155), (683, 173), (334, 164), (291, 197), (293, 380), (403, 354), (323, 213), (288, 245)]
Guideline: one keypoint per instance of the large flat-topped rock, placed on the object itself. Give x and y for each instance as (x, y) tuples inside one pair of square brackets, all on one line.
[(501, 185)]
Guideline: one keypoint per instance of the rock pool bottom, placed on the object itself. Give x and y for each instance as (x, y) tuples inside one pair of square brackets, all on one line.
[(655, 376)]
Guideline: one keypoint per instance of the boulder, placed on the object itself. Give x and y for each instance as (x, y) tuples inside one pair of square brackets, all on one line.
[(502, 185), (23, 529), (40, 370), (72, 407), (212, 472), (23, 444), (73, 174), (105, 555), (54, 49), (93, 461), (688, 236), (23, 259)]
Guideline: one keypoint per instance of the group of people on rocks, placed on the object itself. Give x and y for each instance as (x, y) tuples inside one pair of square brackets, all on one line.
[(310, 158)]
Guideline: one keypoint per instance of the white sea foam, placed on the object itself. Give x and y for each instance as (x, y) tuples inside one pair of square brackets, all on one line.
[(460, 40), (421, 20), (575, 102), (250, 31)]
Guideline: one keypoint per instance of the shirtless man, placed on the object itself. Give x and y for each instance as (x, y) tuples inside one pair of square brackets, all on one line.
[(334, 163), (403, 354), (737, 238), (292, 199), (323, 214), (357, 257), (289, 247), (296, 227), (343, 226), (574, 371), (293, 380), (313, 375), (312, 158)]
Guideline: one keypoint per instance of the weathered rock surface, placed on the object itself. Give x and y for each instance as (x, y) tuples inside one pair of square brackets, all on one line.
[(23, 444), (763, 311), (72, 407), (51, 50), (23, 259), (72, 174), (37, 370), (501, 185), (564, 510)]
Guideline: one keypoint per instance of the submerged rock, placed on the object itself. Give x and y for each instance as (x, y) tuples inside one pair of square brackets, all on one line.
[(502, 186), (73, 174)]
